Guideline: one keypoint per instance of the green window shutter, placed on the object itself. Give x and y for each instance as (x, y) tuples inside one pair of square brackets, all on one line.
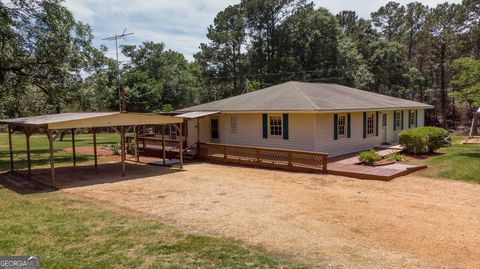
[(364, 124), (402, 120), (285, 126), (376, 123), (409, 123), (335, 127), (416, 118), (348, 125), (265, 125)]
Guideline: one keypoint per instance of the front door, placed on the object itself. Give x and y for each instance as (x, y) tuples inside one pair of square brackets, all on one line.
[(384, 127)]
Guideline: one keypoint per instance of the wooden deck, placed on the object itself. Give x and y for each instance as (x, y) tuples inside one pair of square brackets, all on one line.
[(387, 172), (346, 165)]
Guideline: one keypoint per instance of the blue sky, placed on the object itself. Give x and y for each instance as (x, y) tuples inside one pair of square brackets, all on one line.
[(180, 24)]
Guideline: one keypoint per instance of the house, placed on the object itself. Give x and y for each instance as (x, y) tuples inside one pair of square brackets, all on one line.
[(304, 116)]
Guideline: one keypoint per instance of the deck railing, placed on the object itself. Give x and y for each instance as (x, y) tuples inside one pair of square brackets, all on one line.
[(292, 160)]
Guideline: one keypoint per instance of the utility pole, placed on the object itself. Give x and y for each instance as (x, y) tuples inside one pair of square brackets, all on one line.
[(121, 89)]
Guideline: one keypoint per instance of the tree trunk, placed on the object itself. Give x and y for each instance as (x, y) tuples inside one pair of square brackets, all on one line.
[(443, 86)]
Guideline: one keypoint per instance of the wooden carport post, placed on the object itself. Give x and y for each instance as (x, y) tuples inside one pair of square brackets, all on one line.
[(181, 145), (73, 147), (10, 131), (163, 145), (198, 138), (122, 147), (52, 161), (135, 132), (27, 138), (94, 133)]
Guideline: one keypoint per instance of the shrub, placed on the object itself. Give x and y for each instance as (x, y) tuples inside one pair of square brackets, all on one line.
[(369, 157), (423, 139), (395, 157), (114, 148)]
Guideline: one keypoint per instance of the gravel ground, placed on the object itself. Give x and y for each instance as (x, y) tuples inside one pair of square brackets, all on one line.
[(324, 220)]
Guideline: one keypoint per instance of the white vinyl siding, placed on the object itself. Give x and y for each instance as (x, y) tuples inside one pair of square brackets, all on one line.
[(324, 141), (307, 131)]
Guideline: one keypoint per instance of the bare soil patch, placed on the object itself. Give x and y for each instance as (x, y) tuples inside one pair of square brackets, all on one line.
[(324, 220), (89, 151)]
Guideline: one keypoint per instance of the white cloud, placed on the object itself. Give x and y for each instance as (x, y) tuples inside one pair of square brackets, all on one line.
[(180, 24)]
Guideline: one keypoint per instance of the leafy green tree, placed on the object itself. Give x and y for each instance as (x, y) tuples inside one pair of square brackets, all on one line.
[(155, 76), (223, 64), (309, 42), (390, 19), (42, 50), (466, 80), (445, 22)]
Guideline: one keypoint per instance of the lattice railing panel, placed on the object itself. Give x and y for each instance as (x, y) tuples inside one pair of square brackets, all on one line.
[(265, 157)]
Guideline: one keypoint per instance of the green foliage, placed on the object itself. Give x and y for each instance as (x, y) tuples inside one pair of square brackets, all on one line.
[(395, 157), (167, 108), (369, 157), (423, 139), (459, 162), (114, 148), (69, 233), (467, 79)]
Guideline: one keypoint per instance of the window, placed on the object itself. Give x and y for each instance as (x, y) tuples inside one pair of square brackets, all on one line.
[(412, 118), (233, 125), (398, 120), (341, 123), (370, 124), (214, 128), (275, 123)]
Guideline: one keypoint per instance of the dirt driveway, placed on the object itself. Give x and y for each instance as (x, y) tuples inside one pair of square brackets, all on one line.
[(323, 220)]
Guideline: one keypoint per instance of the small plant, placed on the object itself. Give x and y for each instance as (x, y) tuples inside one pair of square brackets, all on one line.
[(395, 157), (114, 148), (369, 157)]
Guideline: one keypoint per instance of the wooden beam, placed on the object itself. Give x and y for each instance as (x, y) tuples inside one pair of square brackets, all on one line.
[(51, 138), (122, 146), (198, 138), (163, 145), (135, 133), (29, 162), (181, 145), (10, 131), (73, 147), (94, 133)]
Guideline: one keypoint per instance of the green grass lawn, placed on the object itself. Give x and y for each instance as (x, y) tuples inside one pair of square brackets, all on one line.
[(40, 152), (460, 162), (67, 233), (77, 234)]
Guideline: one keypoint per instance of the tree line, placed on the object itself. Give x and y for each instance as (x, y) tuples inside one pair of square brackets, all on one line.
[(429, 54)]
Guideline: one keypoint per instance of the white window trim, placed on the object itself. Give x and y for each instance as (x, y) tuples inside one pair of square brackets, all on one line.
[(269, 126), (373, 124), (344, 135), (398, 118), (413, 116), (233, 127)]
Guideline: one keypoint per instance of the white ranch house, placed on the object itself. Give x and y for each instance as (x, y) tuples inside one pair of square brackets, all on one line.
[(315, 117)]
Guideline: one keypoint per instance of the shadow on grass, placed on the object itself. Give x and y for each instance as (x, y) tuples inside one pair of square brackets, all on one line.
[(79, 176), (22, 163), (423, 156), (470, 154)]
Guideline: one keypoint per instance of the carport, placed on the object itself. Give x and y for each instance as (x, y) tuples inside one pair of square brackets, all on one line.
[(55, 124)]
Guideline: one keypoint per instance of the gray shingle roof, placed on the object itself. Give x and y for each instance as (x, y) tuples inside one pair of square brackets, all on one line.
[(303, 96)]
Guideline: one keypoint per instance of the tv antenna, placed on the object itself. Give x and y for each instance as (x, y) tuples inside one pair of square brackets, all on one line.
[(121, 90)]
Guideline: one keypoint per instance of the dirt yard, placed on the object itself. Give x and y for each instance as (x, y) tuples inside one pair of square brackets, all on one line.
[(323, 220)]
